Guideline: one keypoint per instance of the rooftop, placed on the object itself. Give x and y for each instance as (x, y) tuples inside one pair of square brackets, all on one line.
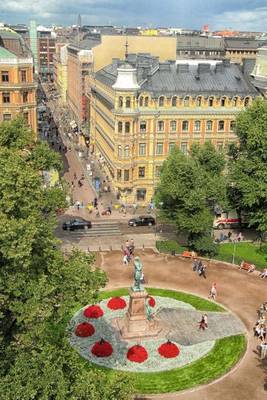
[(4, 53), (169, 78)]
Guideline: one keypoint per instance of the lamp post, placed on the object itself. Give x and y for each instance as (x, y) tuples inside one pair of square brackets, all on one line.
[(234, 251)]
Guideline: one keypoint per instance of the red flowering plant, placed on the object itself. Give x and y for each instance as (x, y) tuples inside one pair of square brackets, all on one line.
[(102, 349), (137, 354), (93, 311), (168, 350), (116, 303), (84, 329), (151, 301)]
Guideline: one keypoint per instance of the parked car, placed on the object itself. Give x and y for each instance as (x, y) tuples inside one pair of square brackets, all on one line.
[(76, 224), (143, 220)]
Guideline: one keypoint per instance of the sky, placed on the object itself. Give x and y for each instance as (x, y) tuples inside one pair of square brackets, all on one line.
[(218, 14)]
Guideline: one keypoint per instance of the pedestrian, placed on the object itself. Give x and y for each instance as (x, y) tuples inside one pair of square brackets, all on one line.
[(125, 260), (206, 320), (95, 202), (80, 183), (75, 175), (131, 247), (127, 245), (229, 236), (213, 291), (202, 325), (78, 205), (263, 350), (82, 177), (97, 212), (195, 264)]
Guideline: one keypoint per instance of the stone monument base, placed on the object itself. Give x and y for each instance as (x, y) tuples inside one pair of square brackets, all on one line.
[(135, 324)]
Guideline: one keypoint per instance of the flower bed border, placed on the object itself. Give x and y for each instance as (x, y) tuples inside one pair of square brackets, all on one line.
[(224, 356)]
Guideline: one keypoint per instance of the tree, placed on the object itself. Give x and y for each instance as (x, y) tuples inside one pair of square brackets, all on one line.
[(189, 188), (248, 165), (39, 286)]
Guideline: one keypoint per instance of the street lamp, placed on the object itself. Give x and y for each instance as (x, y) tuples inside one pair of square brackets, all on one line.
[(234, 251)]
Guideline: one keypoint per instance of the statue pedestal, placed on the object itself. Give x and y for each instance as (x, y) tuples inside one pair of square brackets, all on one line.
[(135, 323)]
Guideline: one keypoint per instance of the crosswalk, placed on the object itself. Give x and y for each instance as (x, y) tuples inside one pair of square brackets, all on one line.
[(98, 229)]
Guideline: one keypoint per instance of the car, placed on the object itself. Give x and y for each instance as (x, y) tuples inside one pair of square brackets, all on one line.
[(76, 224), (143, 220), (226, 223)]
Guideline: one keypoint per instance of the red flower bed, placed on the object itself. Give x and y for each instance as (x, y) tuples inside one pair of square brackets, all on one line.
[(102, 349), (116, 303), (151, 301), (84, 330), (168, 350), (137, 354), (93, 312)]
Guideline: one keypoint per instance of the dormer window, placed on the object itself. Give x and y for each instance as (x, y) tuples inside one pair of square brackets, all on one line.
[(186, 101), (146, 101), (174, 101), (161, 101), (120, 101), (198, 101), (246, 101), (128, 102), (211, 101), (141, 101), (223, 100)]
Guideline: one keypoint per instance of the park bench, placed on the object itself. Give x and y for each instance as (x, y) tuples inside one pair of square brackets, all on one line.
[(247, 266)]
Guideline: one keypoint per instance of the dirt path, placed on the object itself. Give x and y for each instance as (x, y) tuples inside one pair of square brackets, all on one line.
[(238, 291)]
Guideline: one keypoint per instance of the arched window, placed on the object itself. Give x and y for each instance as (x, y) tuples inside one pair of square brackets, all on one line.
[(126, 151), (197, 125), (174, 101), (211, 101), (120, 101), (209, 125), (198, 101), (246, 101), (186, 101), (119, 127), (141, 101), (161, 101), (127, 127), (223, 101), (128, 102), (119, 152), (234, 101), (146, 101)]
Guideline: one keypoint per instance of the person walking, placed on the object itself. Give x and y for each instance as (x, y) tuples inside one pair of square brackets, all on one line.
[(202, 325), (213, 292)]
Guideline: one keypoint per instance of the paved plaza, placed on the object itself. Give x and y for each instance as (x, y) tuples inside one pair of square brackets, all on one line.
[(237, 291)]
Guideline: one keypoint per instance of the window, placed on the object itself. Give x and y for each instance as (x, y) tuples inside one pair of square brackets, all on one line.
[(6, 117), (198, 101), (185, 126), (118, 174), (197, 125), (232, 126), (146, 101), (141, 172), (161, 101), (186, 101), (126, 175), (126, 151), (234, 101), (209, 125), (127, 127), (157, 170), (128, 102), (142, 149), (120, 101), (173, 126), (120, 127), (119, 152), (211, 99), (160, 126), (142, 126), (223, 100), (141, 194), (26, 117), (6, 97), (171, 146), (184, 147), (246, 102), (23, 75), (141, 101), (174, 101), (25, 97), (221, 126), (159, 148), (4, 76)]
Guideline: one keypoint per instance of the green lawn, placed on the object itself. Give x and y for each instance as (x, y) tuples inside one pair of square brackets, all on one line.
[(168, 246), (244, 251)]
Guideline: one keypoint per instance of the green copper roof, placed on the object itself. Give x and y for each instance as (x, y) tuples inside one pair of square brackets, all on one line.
[(4, 53)]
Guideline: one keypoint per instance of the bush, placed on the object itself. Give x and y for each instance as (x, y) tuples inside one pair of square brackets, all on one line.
[(169, 246), (204, 246)]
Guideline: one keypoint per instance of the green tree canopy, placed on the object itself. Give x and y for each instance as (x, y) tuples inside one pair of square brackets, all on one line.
[(248, 166)]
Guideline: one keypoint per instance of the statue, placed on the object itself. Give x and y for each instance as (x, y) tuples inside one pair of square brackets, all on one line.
[(138, 275)]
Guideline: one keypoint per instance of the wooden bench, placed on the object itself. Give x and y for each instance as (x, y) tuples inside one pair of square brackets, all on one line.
[(247, 266)]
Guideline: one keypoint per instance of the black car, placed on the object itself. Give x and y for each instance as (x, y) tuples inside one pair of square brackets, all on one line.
[(76, 224), (143, 220)]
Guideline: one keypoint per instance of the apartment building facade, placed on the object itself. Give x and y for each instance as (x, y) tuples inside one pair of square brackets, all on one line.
[(140, 109)]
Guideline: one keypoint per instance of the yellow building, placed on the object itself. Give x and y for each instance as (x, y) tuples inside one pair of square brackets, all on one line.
[(17, 87), (61, 71), (141, 108)]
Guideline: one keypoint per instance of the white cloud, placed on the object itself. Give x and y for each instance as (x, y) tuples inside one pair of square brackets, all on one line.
[(245, 20)]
